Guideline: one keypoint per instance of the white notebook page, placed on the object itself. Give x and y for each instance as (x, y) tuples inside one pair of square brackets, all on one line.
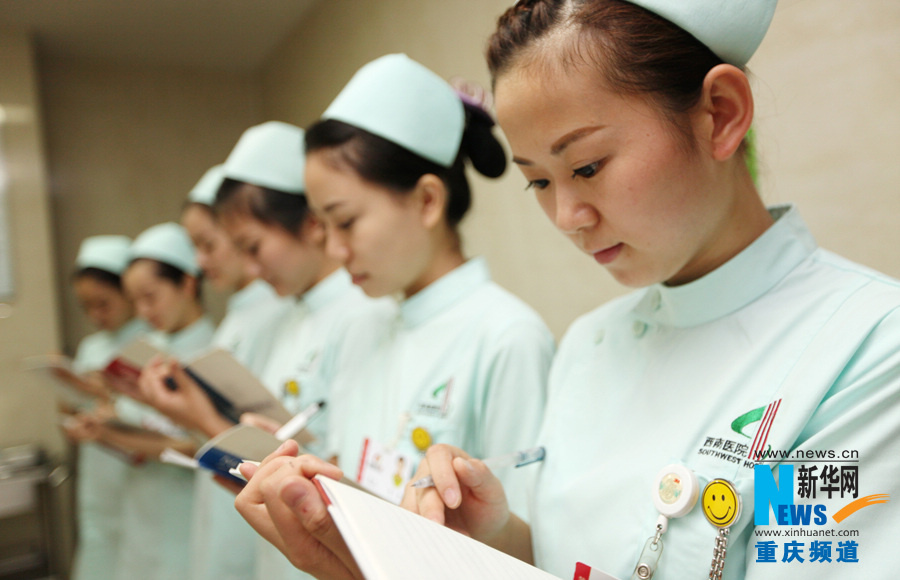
[(390, 543)]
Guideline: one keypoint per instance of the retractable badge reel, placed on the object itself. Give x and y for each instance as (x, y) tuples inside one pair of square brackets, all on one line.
[(675, 493)]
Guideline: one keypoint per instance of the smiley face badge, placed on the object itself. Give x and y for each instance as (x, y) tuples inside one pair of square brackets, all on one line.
[(721, 504)]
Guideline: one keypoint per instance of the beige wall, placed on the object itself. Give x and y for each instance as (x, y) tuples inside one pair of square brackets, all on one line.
[(827, 114), (828, 95), (33, 323), (125, 144)]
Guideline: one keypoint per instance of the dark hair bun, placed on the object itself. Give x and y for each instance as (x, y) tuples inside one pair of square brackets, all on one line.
[(479, 143)]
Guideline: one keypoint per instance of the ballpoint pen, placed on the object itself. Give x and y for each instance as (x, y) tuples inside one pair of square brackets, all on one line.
[(517, 459)]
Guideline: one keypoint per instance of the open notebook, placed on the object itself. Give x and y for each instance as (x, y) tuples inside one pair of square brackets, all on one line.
[(390, 543), (231, 387), (57, 370)]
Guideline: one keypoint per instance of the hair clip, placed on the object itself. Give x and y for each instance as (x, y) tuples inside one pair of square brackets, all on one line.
[(475, 99)]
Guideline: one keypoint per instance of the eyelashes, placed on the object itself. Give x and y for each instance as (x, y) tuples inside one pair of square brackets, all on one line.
[(589, 170), (585, 171), (537, 184)]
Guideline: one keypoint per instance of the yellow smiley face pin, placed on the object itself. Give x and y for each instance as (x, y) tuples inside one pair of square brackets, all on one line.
[(421, 438), (721, 503), (292, 388)]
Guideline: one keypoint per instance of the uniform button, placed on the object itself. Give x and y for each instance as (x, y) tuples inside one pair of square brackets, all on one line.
[(601, 334), (655, 300), (639, 328)]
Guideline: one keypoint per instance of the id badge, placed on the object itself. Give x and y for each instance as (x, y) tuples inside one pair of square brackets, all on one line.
[(384, 471), (585, 572)]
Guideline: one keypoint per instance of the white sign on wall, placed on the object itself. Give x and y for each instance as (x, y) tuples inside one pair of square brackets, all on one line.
[(6, 271)]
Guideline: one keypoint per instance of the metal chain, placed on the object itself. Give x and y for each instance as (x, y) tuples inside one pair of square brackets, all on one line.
[(718, 561)]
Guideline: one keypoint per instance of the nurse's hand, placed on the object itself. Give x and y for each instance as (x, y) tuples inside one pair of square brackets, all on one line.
[(468, 498), (284, 507), (187, 404), (96, 384), (82, 427), (124, 386), (260, 422), (85, 383)]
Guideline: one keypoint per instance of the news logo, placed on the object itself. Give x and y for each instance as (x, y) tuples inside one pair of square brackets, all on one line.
[(776, 505)]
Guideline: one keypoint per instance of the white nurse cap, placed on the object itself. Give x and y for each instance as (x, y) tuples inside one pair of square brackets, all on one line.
[(107, 253), (206, 189), (168, 243), (269, 155), (398, 99), (732, 29)]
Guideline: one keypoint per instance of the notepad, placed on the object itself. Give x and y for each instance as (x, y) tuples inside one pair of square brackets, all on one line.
[(55, 368), (231, 387), (230, 448), (389, 542)]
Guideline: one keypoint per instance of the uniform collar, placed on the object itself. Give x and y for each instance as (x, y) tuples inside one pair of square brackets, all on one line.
[(331, 287), (738, 282), (196, 328), (443, 292), (248, 295), (131, 329)]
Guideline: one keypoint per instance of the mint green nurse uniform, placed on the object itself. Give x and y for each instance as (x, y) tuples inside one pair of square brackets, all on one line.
[(156, 515), (785, 347), (101, 473), (466, 364), (223, 545), (332, 326)]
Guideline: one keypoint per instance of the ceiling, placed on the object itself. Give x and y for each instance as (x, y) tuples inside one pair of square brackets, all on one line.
[(233, 35)]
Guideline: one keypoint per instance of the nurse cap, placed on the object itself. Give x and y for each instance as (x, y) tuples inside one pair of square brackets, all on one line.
[(398, 99), (269, 155), (732, 29), (206, 189), (168, 243), (107, 253)]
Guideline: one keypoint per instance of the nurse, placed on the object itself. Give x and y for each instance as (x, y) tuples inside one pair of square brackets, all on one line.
[(222, 544), (386, 171), (466, 361), (329, 326), (101, 474), (163, 280), (627, 120), (253, 305)]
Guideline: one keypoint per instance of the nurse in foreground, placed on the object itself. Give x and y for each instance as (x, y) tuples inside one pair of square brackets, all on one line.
[(628, 121)]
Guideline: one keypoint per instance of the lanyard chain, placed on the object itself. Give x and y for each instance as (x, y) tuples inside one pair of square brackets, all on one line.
[(718, 561)]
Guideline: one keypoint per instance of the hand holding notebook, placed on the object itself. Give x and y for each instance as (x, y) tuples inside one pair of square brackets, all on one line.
[(284, 507)]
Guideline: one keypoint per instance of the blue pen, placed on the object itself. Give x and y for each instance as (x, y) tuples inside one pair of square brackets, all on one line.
[(517, 459)]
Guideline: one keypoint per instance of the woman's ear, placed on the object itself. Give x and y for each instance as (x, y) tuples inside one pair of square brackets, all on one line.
[(312, 230), (727, 110), (190, 285), (430, 194)]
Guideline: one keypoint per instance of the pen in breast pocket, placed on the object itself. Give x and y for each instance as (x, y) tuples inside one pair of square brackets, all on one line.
[(517, 459)]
